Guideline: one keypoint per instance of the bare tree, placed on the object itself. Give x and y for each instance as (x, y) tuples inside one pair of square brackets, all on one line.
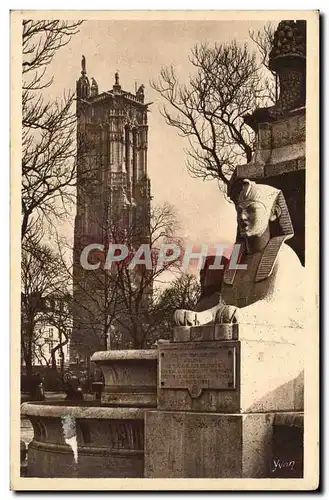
[(59, 315), (39, 347), (115, 306), (182, 293), (138, 319), (228, 83), (48, 126), (264, 41), (41, 279)]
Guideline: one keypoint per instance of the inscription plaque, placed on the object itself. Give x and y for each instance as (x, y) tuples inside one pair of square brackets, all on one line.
[(198, 369)]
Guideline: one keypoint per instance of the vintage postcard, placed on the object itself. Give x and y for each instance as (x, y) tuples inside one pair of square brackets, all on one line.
[(165, 250)]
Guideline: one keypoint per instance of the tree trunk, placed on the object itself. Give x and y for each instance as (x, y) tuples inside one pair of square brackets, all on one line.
[(138, 339), (60, 348), (28, 364), (53, 359), (88, 367), (62, 362), (27, 341)]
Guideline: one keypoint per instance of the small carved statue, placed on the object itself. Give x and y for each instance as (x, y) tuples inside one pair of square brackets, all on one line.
[(140, 93), (268, 288), (94, 87)]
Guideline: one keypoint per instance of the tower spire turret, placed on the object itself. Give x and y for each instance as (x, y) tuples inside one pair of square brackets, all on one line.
[(112, 193), (83, 85)]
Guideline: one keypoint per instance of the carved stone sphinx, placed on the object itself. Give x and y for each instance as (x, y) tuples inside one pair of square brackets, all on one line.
[(268, 286)]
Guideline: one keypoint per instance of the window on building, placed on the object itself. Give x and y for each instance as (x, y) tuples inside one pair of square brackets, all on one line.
[(51, 333)]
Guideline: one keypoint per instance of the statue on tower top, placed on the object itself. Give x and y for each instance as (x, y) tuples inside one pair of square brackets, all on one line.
[(116, 86), (83, 65), (83, 86)]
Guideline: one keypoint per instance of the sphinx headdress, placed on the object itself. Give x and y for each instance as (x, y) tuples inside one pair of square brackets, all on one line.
[(280, 230), (269, 197)]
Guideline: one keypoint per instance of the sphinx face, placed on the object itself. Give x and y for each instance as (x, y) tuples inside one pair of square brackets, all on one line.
[(252, 218)]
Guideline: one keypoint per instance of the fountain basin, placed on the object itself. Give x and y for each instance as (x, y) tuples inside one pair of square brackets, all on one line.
[(130, 377), (107, 436), (110, 441)]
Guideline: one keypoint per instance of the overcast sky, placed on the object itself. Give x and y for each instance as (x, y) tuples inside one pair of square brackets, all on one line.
[(138, 50)]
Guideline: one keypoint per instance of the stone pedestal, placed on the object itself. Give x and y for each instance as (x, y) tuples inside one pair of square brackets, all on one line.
[(280, 147), (217, 400), (207, 445)]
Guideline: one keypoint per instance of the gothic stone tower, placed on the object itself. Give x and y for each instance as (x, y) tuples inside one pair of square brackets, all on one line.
[(113, 196)]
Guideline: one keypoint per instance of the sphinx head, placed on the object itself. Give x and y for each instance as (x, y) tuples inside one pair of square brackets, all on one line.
[(257, 205)]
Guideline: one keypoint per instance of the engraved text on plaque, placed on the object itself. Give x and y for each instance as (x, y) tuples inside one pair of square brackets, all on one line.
[(197, 369)]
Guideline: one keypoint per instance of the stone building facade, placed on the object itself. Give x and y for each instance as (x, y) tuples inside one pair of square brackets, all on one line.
[(113, 197)]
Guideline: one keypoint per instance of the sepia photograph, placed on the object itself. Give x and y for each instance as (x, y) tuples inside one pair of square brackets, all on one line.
[(165, 246)]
